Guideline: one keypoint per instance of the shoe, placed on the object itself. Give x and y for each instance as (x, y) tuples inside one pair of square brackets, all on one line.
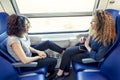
[(67, 75), (51, 76), (59, 77)]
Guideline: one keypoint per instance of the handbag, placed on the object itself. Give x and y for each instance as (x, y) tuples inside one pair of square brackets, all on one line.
[(82, 48)]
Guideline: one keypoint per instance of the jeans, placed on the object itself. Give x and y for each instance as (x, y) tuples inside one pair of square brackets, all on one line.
[(48, 45), (71, 53)]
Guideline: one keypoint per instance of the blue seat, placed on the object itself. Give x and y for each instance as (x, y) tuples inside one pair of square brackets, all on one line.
[(4, 53), (109, 70), (9, 73), (95, 65), (3, 23)]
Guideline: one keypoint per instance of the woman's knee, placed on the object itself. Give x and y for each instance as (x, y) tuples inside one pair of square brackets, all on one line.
[(46, 42), (53, 61), (69, 50)]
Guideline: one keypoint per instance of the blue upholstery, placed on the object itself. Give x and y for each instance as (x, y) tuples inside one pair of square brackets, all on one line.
[(79, 66), (3, 36), (109, 70), (114, 12), (3, 23), (34, 77), (9, 73), (3, 50), (91, 76)]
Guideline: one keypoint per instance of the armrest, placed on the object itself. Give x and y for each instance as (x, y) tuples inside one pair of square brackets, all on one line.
[(20, 64), (90, 60)]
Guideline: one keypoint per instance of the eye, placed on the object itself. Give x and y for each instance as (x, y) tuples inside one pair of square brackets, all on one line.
[(27, 25), (92, 22)]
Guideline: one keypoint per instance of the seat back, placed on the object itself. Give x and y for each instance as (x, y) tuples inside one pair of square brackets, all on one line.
[(114, 13), (117, 40), (111, 66), (7, 70), (3, 23), (3, 37)]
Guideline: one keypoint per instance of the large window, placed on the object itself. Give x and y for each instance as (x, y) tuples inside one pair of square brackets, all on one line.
[(57, 15), (59, 24), (51, 6)]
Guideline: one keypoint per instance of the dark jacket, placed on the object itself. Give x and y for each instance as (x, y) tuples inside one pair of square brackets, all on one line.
[(98, 50)]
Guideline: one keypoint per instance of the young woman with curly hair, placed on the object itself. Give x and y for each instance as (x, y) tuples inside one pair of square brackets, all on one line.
[(102, 35)]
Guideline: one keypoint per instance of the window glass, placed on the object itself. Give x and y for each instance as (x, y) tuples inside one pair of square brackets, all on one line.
[(59, 24), (52, 6)]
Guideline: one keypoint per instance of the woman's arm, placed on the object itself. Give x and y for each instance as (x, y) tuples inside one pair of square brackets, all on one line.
[(99, 51), (20, 53), (98, 55), (87, 44)]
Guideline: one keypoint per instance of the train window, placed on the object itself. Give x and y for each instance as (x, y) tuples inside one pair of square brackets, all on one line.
[(51, 6), (57, 15), (59, 24)]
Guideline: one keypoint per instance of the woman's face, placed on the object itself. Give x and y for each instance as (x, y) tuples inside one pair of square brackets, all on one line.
[(27, 25), (93, 23)]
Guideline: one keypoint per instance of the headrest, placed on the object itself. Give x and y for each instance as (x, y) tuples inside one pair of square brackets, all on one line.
[(3, 36), (3, 21)]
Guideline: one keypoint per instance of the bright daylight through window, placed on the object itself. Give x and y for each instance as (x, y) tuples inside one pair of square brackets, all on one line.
[(59, 22)]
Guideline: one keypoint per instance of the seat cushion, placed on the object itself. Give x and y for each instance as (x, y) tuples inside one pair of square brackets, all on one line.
[(42, 70), (79, 66), (90, 76), (33, 77)]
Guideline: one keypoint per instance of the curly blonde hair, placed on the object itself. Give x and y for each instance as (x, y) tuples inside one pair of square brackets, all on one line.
[(104, 32)]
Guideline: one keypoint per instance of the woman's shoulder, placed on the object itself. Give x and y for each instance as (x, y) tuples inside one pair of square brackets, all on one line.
[(13, 39)]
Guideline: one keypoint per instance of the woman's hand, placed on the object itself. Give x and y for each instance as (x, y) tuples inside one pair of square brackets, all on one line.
[(87, 43), (82, 39), (42, 54)]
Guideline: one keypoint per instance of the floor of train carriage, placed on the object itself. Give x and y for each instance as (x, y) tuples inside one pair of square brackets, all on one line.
[(71, 77)]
